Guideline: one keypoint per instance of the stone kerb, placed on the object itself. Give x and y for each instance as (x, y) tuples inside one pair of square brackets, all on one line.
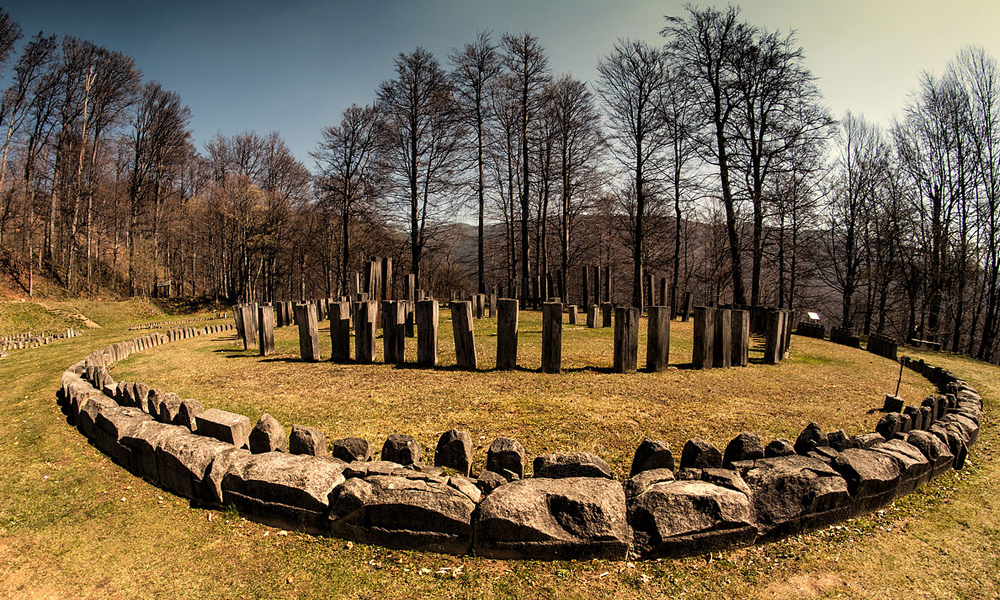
[(570, 508)]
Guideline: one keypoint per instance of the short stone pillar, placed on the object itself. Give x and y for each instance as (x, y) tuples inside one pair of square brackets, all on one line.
[(465, 341), (507, 316), (704, 337), (393, 331), (592, 316), (626, 339), (248, 320), (607, 310), (574, 312), (552, 336), (722, 350), (658, 338), (365, 322), (305, 316), (265, 319), (775, 336), (427, 332), (493, 303), (740, 338), (340, 331)]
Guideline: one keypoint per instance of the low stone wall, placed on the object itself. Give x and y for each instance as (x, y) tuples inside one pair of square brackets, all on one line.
[(571, 506), (21, 341)]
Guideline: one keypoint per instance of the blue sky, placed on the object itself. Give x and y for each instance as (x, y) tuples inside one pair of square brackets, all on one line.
[(293, 66)]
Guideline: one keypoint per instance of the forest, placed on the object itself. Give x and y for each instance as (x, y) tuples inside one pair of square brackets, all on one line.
[(708, 158)]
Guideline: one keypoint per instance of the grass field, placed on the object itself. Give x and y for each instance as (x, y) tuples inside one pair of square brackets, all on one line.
[(73, 524)]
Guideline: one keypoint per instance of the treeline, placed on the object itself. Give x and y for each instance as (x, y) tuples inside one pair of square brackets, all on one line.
[(709, 159)]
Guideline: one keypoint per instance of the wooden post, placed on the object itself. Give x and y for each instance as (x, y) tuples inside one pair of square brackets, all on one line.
[(658, 338), (597, 285), (722, 352), (704, 337), (740, 338), (607, 286), (308, 332), (626, 339), (552, 336), (507, 316), (465, 341), (393, 338), (772, 346), (385, 279), (250, 325), (427, 332), (340, 331), (493, 303), (354, 284), (265, 318), (364, 331), (606, 311), (592, 316), (574, 311)]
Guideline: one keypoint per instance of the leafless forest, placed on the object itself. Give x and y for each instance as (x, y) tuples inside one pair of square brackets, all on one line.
[(709, 159)]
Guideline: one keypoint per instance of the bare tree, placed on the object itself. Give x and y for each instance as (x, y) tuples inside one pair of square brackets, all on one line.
[(528, 69), (421, 139), (632, 82), (345, 159), (473, 70)]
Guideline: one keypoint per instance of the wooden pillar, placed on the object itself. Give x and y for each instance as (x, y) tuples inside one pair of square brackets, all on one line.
[(597, 285), (607, 285), (427, 332), (393, 338), (704, 337), (265, 319), (740, 338), (507, 317), (607, 310), (772, 345), (658, 338), (493, 303), (340, 331), (626, 340), (592, 316), (574, 312), (722, 351), (408, 328), (552, 336), (354, 284), (249, 325), (364, 331), (308, 332), (385, 279), (465, 341)]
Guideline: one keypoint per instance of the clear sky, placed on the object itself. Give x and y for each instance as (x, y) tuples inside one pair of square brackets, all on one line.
[(293, 66)]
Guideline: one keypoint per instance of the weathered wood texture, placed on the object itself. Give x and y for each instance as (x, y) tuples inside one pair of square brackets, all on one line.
[(658, 338), (265, 321), (626, 351), (465, 341), (552, 336), (305, 316), (507, 317), (340, 331), (427, 332)]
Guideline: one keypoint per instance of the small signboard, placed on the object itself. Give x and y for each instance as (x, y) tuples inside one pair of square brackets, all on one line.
[(813, 316)]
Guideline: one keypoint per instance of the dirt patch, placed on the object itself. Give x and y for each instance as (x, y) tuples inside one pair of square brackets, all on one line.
[(807, 585), (70, 314)]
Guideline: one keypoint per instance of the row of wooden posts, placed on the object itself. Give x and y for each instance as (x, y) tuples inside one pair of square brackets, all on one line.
[(721, 335)]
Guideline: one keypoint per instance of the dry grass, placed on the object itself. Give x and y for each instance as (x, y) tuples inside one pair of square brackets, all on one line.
[(584, 408), (66, 533)]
